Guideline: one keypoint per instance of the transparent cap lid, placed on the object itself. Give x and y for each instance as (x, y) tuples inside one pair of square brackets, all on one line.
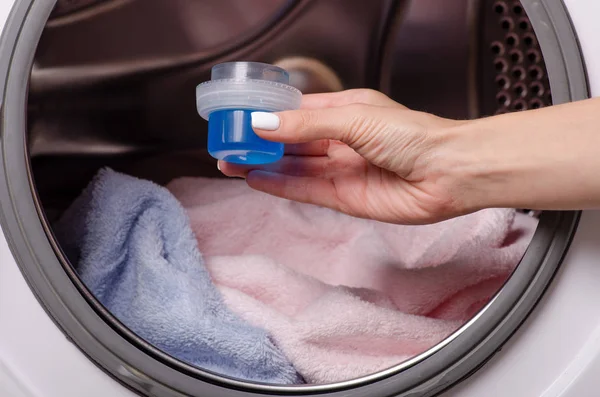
[(247, 85), (249, 71)]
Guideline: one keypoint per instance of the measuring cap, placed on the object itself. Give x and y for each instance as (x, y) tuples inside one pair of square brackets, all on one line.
[(237, 89)]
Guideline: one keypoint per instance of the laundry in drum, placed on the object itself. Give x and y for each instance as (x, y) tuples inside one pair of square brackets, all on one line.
[(235, 90), (295, 294), (132, 246)]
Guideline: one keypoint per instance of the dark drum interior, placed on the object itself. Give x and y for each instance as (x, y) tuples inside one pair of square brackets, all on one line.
[(104, 91)]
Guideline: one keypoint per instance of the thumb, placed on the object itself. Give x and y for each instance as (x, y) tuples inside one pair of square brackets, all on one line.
[(348, 124)]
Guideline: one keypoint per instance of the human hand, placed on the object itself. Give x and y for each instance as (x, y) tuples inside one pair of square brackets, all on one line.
[(358, 152), (361, 153)]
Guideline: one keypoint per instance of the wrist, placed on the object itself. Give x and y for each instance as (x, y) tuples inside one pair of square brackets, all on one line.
[(542, 159), (477, 165)]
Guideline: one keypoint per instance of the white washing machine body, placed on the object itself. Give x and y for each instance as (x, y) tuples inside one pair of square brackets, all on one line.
[(555, 353)]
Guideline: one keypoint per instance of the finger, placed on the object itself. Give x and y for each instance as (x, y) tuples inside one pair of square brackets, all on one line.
[(350, 124), (233, 170), (315, 148), (347, 97), (312, 166), (309, 149), (303, 189), (288, 165)]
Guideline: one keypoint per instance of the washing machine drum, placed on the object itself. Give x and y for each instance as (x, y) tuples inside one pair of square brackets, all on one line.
[(93, 83)]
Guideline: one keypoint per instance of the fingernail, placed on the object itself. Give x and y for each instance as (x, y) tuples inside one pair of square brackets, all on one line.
[(219, 165), (265, 121)]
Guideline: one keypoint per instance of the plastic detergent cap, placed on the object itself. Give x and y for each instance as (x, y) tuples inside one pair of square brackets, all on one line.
[(247, 85), (237, 89)]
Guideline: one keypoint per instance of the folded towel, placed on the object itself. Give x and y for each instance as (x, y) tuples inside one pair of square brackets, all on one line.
[(133, 247), (346, 297)]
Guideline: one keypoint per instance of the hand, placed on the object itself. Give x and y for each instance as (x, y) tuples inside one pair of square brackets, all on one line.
[(357, 152)]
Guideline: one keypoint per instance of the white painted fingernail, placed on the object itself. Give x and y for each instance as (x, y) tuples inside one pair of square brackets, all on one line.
[(265, 121)]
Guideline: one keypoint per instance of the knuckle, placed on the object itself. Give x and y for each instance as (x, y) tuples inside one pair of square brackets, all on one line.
[(358, 122), (307, 120), (298, 125), (367, 95)]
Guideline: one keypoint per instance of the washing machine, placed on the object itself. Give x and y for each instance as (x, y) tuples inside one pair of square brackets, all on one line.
[(91, 83)]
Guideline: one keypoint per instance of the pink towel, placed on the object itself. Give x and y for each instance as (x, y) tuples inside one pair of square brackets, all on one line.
[(346, 297)]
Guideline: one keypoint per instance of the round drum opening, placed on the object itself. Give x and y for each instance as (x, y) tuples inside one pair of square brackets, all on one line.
[(87, 89)]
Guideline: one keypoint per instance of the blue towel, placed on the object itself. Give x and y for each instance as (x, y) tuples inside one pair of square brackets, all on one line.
[(133, 247)]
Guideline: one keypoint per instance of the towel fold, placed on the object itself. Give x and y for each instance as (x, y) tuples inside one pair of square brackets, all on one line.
[(133, 247), (345, 297)]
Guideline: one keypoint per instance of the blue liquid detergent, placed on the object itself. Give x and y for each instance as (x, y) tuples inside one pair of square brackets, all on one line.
[(232, 139)]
